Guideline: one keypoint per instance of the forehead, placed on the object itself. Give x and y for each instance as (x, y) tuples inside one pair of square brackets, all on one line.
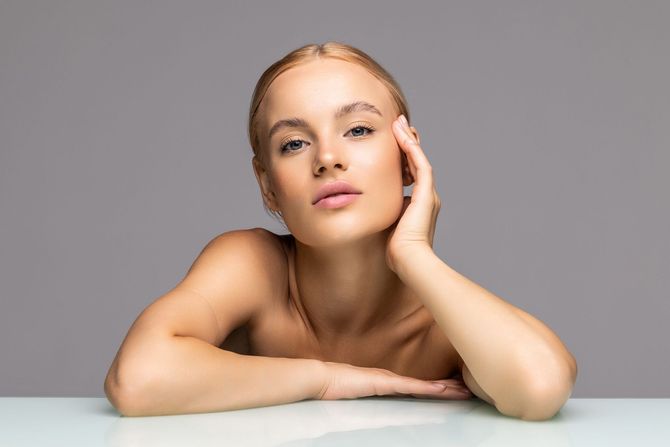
[(316, 89)]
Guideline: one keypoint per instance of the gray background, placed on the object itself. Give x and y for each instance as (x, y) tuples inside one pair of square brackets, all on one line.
[(123, 151)]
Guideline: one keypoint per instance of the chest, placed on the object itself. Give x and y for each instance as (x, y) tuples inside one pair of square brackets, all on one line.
[(415, 347)]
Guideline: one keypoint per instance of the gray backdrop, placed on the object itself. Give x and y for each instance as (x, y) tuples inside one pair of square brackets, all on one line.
[(123, 151)]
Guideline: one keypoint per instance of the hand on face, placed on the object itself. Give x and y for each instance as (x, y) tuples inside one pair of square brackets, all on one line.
[(415, 227)]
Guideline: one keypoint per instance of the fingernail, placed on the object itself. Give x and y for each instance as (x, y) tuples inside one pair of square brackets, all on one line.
[(439, 385), (404, 120)]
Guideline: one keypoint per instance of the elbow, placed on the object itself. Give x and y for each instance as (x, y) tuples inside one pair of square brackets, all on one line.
[(112, 389), (114, 395), (545, 401), (541, 406), (125, 396), (548, 394), (119, 401), (126, 403), (542, 398), (545, 406)]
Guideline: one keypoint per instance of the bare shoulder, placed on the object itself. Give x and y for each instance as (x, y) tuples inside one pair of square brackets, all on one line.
[(270, 249), (257, 246), (271, 244), (273, 250), (237, 272), (264, 278)]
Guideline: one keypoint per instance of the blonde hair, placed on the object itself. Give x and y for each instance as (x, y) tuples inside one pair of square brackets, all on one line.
[(309, 53)]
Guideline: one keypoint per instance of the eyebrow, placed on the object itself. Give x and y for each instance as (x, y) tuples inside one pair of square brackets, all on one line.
[(345, 109)]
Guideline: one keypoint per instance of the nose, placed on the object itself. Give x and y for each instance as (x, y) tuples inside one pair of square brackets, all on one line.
[(330, 156)]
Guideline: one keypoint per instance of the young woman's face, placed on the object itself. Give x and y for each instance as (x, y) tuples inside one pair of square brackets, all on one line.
[(304, 156)]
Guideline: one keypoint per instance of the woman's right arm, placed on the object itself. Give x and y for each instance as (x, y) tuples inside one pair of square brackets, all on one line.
[(190, 375), (170, 362)]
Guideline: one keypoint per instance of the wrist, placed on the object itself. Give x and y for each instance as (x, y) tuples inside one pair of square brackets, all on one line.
[(323, 374), (417, 258)]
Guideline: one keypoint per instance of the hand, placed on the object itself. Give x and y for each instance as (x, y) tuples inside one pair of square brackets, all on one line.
[(415, 227), (344, 381)]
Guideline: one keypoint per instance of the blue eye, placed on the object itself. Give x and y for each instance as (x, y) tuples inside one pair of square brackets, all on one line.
[(284, 147)]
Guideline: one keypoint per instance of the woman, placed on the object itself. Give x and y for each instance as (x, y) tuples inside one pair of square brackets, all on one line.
[(353, 301)]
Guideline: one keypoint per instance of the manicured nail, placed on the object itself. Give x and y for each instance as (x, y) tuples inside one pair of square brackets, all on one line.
[(404, 120)]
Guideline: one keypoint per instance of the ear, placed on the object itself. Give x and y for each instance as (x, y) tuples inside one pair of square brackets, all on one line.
[(263, 178), (407, 178), (415, 133)]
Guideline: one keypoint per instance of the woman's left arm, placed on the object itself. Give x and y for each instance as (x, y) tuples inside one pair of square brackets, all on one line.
[(515, 358)]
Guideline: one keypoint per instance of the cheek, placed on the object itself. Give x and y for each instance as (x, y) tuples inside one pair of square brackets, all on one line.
[(387, 164), (292, 190), (282, 180), (281, 185), (385, 180)]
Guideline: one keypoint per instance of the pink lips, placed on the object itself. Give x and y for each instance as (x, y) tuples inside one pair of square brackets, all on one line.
[(332, 188), (336, 201)]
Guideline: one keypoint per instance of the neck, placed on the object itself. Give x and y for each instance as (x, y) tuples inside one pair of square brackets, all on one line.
[(348, 289)]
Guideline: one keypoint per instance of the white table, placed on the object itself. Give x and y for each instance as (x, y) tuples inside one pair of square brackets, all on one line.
[(371, 421)]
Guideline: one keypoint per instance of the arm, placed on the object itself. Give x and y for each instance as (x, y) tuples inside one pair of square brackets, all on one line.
[(521, 366), (192, 376), (170, 361)]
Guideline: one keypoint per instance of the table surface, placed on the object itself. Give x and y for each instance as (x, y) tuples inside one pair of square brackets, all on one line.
[(370, 421)]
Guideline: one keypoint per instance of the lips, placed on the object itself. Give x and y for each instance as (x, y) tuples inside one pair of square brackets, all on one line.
[(333, 188), (336, 201)]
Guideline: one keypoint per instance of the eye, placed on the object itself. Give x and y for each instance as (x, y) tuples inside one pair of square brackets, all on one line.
[(286, 146), (362, 126)]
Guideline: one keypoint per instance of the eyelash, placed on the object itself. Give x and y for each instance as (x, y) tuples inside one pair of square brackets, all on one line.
[(283, 149)]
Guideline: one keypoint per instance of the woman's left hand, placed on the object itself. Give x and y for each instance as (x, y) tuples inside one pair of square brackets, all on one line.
[(415, 228)]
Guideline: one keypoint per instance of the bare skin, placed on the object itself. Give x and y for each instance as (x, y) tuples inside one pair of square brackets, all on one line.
[(339, 300), (336, 292), (333, 295), (406, 341), (342, 277)]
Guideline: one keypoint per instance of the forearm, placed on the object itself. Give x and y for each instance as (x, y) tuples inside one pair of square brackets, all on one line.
[(513, 358), (193, 376)]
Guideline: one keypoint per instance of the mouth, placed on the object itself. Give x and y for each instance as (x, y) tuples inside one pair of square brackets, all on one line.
[(333, 188), (337, 200)]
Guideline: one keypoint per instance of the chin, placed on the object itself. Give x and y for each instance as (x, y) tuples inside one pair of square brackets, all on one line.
[(336, 232)]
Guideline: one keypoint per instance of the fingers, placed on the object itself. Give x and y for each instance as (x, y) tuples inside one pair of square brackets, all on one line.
[(420, 168), (417, 160), (406, 141), (448, 389), (455, 389)]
